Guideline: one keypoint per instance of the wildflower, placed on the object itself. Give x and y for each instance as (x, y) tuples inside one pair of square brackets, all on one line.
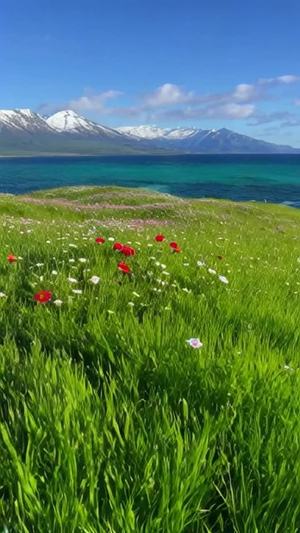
[(72, 280), (111, 239), (223, 279), (100, 240), (54, 272), (200, 264), (58, 303), (43, 296), (82, 260), (160, 238), (39, 264), (173, 245), (124, 268), (212, 271), (77, 291), (128, 250), (177, 249), (287, 367), (131, 304), (118, 246), (11, 258), (195, 343), (2, 295), (95, 280)]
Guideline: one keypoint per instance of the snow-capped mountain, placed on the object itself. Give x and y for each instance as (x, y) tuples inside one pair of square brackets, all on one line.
[(22, 121), (22, 131), (154, 132), (70, 122), (198, 141)]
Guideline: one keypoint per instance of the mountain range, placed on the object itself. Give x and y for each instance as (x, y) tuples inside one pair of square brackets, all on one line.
[(24, 132)]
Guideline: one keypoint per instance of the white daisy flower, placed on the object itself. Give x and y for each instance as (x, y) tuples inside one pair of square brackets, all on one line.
[(95, 280), (224, 279)]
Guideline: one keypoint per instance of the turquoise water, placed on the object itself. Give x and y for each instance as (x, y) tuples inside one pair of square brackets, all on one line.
[(272, 178)]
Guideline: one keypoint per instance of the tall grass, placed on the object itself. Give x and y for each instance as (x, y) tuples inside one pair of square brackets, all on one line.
[(109, 421)]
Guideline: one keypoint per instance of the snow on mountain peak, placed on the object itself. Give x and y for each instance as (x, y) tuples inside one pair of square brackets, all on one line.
[(155, 132), (68, 120), (22, 120), (143, 131)]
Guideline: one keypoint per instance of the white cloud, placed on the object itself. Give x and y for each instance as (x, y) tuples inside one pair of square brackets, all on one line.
[(167, 94), (235, 111), (229, 111), (93, 102), (244, 92), (286, 79), (170, 101)]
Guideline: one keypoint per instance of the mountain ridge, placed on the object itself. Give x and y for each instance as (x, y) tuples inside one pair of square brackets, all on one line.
[(23, 131)]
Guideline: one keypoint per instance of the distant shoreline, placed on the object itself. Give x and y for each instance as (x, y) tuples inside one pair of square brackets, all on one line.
[(164, 155)]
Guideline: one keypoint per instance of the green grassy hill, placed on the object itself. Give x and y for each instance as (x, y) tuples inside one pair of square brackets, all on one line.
[(110, 421)]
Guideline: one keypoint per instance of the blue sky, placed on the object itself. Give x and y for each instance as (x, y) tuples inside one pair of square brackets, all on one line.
[(172, 63)]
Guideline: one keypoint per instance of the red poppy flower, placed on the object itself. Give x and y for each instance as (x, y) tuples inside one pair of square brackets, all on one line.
[(173, 245), (11, 258), (118, 246), (177, 249), (128, 250), (160, 238), (124, 268), (100, 240), (43, 297)]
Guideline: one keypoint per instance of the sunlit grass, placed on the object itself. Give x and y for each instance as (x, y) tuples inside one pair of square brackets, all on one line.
[(110, 421)]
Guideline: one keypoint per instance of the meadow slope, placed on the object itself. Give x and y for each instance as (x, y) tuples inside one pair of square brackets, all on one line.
[(110, 421)]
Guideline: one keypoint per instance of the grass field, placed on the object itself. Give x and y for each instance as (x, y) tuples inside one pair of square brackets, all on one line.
[(111, 421)]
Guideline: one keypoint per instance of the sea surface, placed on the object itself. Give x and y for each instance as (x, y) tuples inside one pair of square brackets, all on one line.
[(271, 178)]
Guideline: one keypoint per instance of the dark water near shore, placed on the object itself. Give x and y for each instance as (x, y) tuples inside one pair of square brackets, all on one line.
[(272, 178)]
